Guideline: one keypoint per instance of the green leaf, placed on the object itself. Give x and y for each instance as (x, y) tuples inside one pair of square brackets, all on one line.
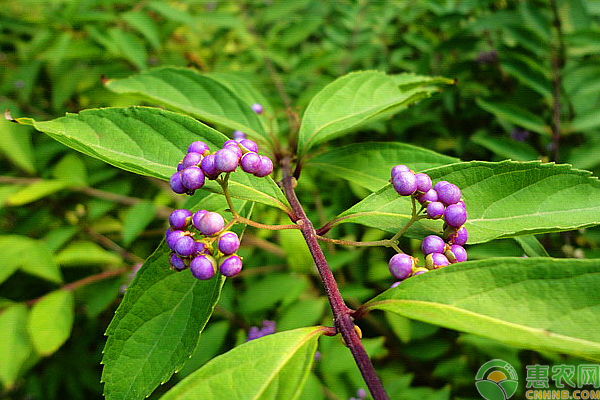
[(86, 253), (198, 95), (409, 80), (136, 219), (143, 24), (35, 191), (505, 147), (15, 346), (584, 122), (16, 145), (30, 255), (272, 367), (50, 321), (297, 255), (516, 115), (369, 164), (535, 303), (498, 197), (351, 101), (520, 67), (157, 325), (248, 93), (71, 169), (150, 141), (130, 47), (531, 246)]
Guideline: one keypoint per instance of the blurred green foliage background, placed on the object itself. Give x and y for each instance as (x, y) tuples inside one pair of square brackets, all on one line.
[(527, 87)]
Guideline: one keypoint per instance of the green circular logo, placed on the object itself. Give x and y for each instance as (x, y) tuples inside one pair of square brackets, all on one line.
[(496, 380)]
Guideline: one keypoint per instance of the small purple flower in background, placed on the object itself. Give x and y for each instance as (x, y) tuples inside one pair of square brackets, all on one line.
[(519, 134), (268, 328), (487, 57), (257, 108)]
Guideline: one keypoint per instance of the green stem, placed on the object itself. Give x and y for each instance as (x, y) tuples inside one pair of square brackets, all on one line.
[(239, 219)]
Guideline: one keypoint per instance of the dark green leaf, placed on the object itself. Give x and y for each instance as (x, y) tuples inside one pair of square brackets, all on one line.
[(148, 141), (516, 115), (369, 164), (498, 198), (535, 303), (198, 95), (15, 346)]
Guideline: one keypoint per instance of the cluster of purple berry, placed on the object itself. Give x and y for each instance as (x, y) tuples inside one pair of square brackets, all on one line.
[(440, 201), (199, 163), (198, 253), (268, 328)]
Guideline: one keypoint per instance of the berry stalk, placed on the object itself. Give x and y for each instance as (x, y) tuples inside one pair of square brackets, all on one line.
[(341, 313)]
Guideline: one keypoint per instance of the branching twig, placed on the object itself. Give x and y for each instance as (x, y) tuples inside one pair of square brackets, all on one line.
[(341, 313)]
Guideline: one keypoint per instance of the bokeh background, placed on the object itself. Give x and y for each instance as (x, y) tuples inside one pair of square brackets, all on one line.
[(527, 88)]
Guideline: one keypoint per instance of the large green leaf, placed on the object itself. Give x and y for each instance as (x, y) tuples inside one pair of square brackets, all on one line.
[(369, 164), (15, 346), (156, 327), (536, 303), (150, 141), (504, 199), (352, 101), (199, 95), (272, 367), (50, 321)]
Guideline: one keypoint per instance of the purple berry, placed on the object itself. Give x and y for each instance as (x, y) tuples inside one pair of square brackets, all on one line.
[(192, 178), (180, 219), (209, 167), (455, 215), (177, 184), (180, 166), (361, 393), (257, 108), (440, 184), (459, 236), (396, 169), (172, 237), (239, 135), (229, 243), (185, 246), (250, 163), (433, 244), (177, 263), (401, 265), (248, 145), (268, 327), (253, 333), (405, 183), (231, 266), (423, 182), (395, 284), (449, 194), (211, 223), (435, 210), (428, 196), (203, 267), (191, 160), (230, 142), (266, 167), (436, 260), (198, 147), (235, 148), (226, 160), (420, 271), (201, 248), (456, 253), (197, 217)]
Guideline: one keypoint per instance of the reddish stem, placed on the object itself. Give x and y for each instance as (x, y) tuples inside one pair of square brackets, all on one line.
[(341, 313)]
